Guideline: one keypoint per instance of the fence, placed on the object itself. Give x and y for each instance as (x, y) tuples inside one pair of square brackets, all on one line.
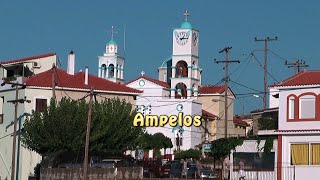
[(94, 173), (288, 173)]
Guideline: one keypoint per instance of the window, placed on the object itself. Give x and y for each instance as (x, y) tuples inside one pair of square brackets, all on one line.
[(305, 154), (315, 154), (307, 107), (299, 154), (291, 107), (41, 105)]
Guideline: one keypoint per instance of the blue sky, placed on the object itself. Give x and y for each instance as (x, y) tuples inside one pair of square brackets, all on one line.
[(34, 27)]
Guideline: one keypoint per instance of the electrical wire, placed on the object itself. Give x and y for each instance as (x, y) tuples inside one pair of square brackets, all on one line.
[(263, 68)]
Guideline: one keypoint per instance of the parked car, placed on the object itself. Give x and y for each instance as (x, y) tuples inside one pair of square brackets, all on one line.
[(70, 165), (192, 171), (207, 173), (165, 170)]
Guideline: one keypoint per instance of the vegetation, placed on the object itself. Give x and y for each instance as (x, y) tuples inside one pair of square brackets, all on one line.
[(268, 145), (268, 121), (222, 147), (156, 142), (61, 128), (190, 153)]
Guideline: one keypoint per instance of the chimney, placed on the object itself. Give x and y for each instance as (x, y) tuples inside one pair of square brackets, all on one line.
[(71, 58), (86, 76)]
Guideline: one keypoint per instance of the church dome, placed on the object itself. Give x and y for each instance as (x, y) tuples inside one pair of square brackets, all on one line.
[(112, 42), (186, 25)]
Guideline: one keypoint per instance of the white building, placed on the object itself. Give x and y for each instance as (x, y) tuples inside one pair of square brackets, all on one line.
[(298, 149), (37, 74), (179, 89)]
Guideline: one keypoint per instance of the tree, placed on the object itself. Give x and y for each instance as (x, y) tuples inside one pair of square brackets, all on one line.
[(156, 142), (222, 147), (190, 153), (62, 128)]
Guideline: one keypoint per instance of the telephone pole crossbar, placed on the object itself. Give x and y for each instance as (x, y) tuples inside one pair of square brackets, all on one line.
[(296, 65), (265, 40), (226, 86)]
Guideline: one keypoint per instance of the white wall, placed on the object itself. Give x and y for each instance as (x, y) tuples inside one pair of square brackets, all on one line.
[(27, 159), (273, 102), (251, 146), (301, 172), (283, 124)]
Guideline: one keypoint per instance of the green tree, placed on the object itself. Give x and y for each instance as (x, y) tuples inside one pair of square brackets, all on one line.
[(156, 142), (222, 147), (62, 128), (190, 153)]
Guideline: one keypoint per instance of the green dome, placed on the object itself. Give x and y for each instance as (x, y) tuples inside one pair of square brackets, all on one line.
[(112, 42), (186, 25)]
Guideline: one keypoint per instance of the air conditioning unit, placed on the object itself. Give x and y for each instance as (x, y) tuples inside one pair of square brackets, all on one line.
[(36, 65)]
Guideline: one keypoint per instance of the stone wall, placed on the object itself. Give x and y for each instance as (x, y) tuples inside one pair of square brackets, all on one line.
[(94, 173)]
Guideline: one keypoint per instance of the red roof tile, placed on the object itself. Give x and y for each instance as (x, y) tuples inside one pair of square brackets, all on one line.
[(302, 78), (299, 130), (209, 115), (27, 58), (160, 83), (76, 81), (211, 89), (238, 121)]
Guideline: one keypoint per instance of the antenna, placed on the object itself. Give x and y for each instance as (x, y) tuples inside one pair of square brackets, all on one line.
[(124, 41)]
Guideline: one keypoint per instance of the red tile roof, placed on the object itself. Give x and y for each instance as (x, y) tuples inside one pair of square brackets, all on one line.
[(211, 89), (160, 83), (302, 78), (27, 58), (239, 121), (65, 80), (209, 115), (299, 130)]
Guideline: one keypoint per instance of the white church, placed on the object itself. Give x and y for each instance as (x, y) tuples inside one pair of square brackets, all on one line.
[(178, 89)]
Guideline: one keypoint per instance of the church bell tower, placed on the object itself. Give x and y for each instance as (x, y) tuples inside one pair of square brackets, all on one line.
[(185, 67), (111, 64)]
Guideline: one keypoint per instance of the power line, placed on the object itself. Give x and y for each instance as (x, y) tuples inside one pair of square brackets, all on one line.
[(263, 67), (246, 86)]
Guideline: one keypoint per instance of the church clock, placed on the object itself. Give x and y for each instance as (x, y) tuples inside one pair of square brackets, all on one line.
[(142, 83), (195, 38), (182, 37)]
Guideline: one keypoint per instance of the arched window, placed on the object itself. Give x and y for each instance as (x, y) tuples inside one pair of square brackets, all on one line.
[(193, 70), (181, 91), (182, 69), (103, 70), (193, 89), (111, 71), (291, 106), (307, 106)]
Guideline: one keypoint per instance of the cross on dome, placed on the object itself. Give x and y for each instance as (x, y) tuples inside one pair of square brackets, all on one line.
[(186, 14), (113, 32), (142, 73)]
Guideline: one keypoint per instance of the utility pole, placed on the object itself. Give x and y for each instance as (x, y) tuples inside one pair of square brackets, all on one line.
[(296, 65), (226, 86), (86, 150), (14, 142), (265, 40), (53, 82)]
